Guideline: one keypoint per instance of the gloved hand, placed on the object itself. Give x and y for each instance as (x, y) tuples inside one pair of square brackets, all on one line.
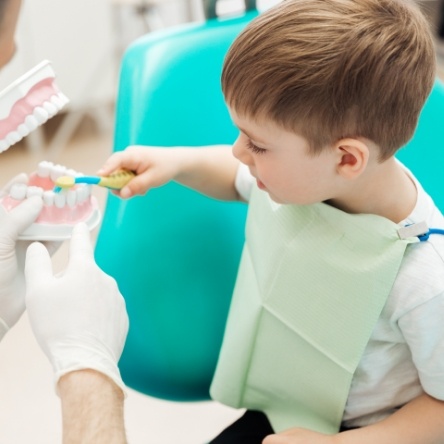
[(78, 317), (12, 257)]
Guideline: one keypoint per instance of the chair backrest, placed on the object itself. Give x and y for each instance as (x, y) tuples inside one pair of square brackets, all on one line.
[(174, 252), (423, 153)]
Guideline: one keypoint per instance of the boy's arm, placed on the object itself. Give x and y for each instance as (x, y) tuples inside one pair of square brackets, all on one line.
[(421, 421), (92, 409), (210, 170)]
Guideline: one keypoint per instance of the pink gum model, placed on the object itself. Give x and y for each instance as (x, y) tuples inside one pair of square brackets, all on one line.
[(61, 211)]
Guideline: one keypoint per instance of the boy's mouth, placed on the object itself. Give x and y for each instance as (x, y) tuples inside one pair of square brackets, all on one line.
[(61, 211), (260, 185)]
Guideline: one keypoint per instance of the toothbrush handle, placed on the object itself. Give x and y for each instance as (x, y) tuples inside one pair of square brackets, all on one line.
[(117, 180)]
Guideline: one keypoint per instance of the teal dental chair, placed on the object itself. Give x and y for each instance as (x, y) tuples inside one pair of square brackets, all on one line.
[(424, 152), (174, 252)]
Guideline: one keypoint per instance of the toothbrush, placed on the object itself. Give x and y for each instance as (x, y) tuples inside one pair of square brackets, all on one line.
[(114, 181), (28, 103)]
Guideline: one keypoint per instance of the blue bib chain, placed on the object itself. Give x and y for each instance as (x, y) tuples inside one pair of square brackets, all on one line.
[(425, 236)]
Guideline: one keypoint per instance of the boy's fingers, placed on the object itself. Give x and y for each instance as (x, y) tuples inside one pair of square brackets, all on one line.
[(139, 185), (110, 165), (115, 162), (129, 159)]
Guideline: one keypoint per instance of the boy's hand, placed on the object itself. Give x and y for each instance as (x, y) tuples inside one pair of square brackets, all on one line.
[(210, 170), (153, 167), (300, 436)]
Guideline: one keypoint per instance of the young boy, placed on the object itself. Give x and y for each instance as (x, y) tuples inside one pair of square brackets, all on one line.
[(335, 330)]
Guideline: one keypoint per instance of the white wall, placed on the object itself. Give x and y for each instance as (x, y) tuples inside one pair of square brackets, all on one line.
[(83, 39), (76, 36)]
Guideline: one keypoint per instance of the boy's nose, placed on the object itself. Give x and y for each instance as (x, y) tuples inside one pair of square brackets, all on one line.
[(241, 153)]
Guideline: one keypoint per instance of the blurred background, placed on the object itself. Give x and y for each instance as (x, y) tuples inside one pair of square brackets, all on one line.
[(85, 40)]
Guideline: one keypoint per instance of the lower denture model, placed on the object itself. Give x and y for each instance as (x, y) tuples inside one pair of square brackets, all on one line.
[(61, 210), (28, 103)]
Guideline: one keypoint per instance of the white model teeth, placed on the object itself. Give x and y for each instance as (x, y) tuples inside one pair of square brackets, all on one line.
[(72, 173), (31, 122), (69, 197), (62, 98), (44, 169), (58, 102), (48, 198), (50, 108), (40, 114), (13, 137), (59, 200), (48, 169), (4, 145), (34, 191), (82, 194), (38, 117), (18, 191), (23, 130), (57, 171)]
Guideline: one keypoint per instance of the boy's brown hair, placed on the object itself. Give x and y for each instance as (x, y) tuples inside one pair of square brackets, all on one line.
[(328, 69)]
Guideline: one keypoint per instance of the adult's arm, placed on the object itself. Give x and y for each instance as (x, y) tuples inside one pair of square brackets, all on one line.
[(80, 322), (92, 408)]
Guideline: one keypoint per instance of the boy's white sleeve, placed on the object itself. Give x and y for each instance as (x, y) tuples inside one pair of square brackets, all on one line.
[(423, 330), (244, 182)]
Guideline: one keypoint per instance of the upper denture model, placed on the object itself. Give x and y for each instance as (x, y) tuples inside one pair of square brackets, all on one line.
[(28, 103), (61, 211)]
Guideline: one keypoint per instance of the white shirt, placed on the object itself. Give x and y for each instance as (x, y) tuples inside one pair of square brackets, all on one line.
[(405, 354)]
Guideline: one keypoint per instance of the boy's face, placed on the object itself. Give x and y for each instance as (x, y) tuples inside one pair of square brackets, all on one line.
[(282, 165)]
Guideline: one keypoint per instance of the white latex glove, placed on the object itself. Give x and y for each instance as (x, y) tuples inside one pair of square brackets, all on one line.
[(78, 317), (12, 257)]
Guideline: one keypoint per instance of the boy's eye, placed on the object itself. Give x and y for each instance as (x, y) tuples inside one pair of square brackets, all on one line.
[(251, 146)]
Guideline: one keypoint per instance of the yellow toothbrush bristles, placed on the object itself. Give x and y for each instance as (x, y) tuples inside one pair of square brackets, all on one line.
[(65, 182)]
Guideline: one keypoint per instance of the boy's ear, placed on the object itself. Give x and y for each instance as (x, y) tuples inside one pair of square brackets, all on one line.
[(353, 156)]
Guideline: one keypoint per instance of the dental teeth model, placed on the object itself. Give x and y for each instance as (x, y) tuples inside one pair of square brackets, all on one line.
[(28, 103), (61, 211)]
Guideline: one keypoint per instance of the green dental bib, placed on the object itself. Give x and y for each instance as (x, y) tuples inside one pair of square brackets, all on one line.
[(311, 286)]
